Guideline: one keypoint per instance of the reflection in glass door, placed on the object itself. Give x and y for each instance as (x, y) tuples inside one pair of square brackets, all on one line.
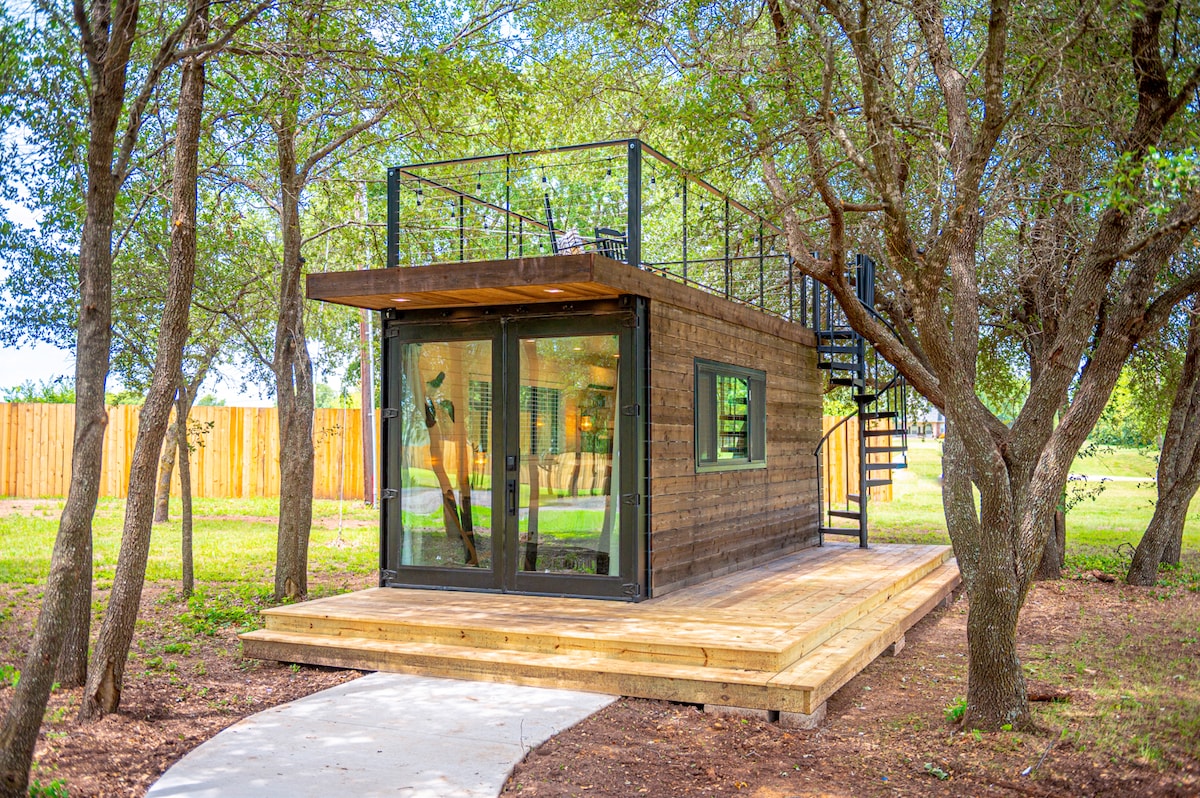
[(445, 463), (512, 455), (569, 494)]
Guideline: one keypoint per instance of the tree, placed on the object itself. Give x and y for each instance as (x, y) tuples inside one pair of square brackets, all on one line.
[(106, 34), (913, 130), (1178, 466), (102, 693), (320, 84)]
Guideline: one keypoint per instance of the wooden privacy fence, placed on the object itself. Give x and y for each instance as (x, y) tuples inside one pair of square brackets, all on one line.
[(236, 452), (842, 473)]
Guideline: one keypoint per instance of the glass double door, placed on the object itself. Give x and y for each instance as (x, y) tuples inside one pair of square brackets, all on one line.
[(508, 451)]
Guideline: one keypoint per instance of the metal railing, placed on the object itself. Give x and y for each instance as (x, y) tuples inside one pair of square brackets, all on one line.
[(621, 198)]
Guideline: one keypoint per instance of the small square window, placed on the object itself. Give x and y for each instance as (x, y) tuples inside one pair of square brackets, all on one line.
[(731, 417)]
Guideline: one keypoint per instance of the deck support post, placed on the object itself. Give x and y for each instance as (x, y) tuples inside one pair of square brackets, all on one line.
[(765, 715), (895, 648), (799, 720)]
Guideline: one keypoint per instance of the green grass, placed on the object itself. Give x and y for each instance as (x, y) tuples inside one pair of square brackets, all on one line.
[(235, 538), (1117, 514), (224, 550), (1114, 461)]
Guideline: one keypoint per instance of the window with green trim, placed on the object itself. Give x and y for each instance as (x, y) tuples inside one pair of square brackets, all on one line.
[(731, 417)]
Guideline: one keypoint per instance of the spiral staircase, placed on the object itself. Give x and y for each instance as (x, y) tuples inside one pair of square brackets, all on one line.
[(878, 428)]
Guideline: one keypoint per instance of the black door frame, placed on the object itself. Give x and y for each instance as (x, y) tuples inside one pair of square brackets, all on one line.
[(505, 326)]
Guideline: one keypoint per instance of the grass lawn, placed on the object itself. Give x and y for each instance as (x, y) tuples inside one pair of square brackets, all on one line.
[(1103, 517), (234, 540)]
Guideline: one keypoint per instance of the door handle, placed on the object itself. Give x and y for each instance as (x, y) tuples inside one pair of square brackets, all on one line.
[(511, 497)]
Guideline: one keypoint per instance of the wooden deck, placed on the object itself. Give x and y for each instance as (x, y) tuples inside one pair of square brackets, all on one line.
[(782, 637)]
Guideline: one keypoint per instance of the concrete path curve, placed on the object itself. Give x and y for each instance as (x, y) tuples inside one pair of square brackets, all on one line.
[(384, 734)]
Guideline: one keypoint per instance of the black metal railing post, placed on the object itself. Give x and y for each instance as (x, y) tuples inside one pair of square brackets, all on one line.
[(507, 207), (633, 207), (393, 218), (462, 229), (761, 278), (685, 230), (728, 263)]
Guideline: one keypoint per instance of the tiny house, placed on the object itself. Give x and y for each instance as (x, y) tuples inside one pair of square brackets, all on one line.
[(597, 380)]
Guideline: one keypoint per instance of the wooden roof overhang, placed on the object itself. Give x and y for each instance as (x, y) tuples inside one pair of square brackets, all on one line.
[(523, 281)]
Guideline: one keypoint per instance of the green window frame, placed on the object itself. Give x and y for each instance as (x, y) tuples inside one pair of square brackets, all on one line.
[(731, 417)]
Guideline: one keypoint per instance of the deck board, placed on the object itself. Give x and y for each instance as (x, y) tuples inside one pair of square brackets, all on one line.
[(783, 636)]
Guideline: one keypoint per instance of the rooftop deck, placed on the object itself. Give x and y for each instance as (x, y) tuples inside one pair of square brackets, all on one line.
[(781, 638)]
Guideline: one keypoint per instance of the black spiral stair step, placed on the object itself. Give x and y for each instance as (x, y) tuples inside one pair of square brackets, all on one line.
[(877, 433), (840, 530), (837, 335), (852, 514), (829, 349), (839, 366), (877, 414), (882, 466), (858, 382), (885, 449)]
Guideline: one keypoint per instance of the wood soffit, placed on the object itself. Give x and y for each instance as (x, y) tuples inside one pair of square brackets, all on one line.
[(522, 281)]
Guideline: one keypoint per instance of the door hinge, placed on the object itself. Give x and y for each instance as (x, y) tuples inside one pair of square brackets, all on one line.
[(634, 409), (631, 589), (390, 493), (391, 332), (629, 320), (632, 499), (391, 412), (387, 575)]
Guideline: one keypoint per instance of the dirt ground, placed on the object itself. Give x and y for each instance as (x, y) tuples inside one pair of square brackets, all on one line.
[(886, 731)]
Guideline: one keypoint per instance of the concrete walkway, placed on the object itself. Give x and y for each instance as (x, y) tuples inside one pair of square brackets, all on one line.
[(384, 734)]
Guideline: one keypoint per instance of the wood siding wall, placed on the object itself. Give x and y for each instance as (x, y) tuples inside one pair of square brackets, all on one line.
[(236, 456), (705, 525)]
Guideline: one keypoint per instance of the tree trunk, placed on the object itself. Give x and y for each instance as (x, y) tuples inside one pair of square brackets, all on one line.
[(102, 693), (1054, 555), (166, 469), (293, 386), (462, 450), (167, 464), (72, 659), (996, 693), (70, 564), (1178, 468), (182, 410), (1174, 549), (1165, 527), (451, 518)]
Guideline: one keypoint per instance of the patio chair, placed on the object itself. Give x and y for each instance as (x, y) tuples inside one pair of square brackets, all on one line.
[(611, 243)]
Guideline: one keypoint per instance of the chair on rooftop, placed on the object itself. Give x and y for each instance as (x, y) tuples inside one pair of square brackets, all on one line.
[(611, 243)]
